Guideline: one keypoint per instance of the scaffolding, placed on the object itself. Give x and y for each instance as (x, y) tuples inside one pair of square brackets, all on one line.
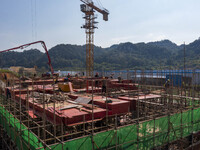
[(163, 117)]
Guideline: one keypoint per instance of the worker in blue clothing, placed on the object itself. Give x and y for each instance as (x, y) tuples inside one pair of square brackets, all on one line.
[(167, 84)]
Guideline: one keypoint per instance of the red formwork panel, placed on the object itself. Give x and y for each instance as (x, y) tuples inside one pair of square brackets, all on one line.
[(93, 81), (142, 98), (49, 112), (38, 108), (45, 88), (115, 106), (125, 86), (89, 90), (81, 115), (49, 88), (31, 114), (126, 81), (73, 115), (94, 90), (99, 113), (29, 102), (16, 91), (133, 102), (130, 86), (68, 116)]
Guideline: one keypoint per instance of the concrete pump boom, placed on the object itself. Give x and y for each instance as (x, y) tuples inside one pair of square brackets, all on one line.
[(26, 45)]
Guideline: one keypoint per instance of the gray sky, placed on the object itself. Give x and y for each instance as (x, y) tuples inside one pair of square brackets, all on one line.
[(59, 21)]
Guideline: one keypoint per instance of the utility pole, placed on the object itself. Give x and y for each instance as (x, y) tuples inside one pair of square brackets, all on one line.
[(184, 56)]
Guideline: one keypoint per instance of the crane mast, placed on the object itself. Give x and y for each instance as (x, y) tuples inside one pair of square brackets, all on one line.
[(88, 8)]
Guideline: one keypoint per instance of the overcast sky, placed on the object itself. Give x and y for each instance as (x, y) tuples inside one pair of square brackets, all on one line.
[(59, 21)]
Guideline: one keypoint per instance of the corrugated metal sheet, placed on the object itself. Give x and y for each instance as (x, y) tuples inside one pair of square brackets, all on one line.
[(83, 100)]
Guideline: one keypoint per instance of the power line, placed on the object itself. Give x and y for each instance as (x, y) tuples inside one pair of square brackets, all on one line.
[(34, 19), (184, 56), (99, 3)]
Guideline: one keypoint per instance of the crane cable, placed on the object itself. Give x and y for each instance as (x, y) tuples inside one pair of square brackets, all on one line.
[(99, 3), (34, 20)]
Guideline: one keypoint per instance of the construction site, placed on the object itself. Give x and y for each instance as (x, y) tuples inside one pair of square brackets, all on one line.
[(93, 110), (135, 113)]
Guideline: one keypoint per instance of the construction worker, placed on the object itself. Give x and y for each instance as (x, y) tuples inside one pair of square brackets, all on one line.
[(66, 79), (167, 83), (23, 78), (111, 76), (5, 77), (96, 82), (183, 84), (68, 75), (8, 94), (56, 80), (119, 79), (104, 82)]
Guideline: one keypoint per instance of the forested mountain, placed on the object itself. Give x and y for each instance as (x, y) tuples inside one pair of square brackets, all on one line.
[(192, 53), (166, 44), (27, 58), (154, 55)]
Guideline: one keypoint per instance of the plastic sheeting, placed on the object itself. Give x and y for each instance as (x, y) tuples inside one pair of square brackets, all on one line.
[(142, 136), (13, 128)]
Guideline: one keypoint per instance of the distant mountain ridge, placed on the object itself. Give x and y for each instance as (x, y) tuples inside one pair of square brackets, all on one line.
[(153, 55), (166, 44)]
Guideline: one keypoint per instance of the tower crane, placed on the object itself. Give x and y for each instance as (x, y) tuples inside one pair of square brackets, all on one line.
[(88, 8)]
